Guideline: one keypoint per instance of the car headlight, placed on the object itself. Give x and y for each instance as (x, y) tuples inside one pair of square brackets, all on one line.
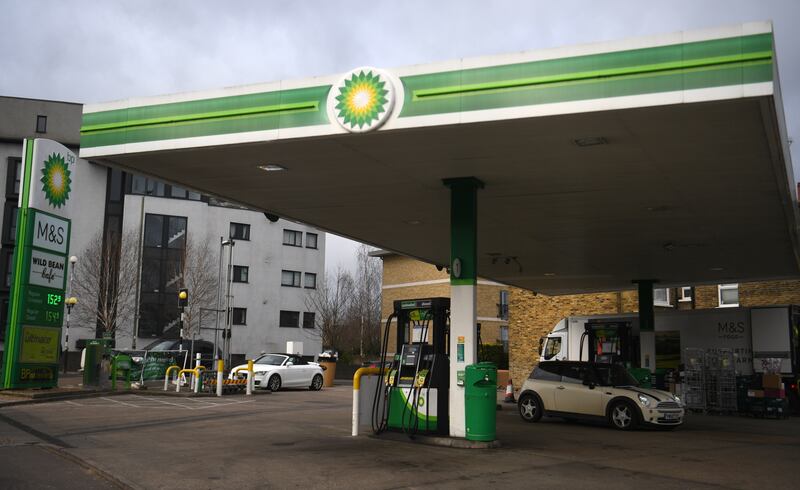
[(677, 400), (644, 400)]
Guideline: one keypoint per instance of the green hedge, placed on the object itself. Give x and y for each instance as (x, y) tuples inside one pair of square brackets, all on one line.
[(494, 353)]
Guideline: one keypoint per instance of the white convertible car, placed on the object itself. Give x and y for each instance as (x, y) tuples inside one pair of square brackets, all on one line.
[(273, 371)]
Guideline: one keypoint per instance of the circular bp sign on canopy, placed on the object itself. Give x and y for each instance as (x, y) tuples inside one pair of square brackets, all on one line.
[(362, 100)]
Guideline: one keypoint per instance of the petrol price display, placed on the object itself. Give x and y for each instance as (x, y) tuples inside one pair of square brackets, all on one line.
[(43, 307)]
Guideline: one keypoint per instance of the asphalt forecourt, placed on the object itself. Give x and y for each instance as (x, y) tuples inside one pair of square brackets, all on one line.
[(301, 439)]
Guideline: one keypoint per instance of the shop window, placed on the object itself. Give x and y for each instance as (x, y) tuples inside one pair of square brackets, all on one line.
[(290, 278), (289, 319), (240, 231), (728, 295), (309, 319), (293, 238)]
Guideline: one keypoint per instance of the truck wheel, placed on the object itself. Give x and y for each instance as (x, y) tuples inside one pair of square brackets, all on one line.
[(623, 416), (530, 409)]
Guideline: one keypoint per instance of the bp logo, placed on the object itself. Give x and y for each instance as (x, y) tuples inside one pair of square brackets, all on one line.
[(362, 100), (56, 180)]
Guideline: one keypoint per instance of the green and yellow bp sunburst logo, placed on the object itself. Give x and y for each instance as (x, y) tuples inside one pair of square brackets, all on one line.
[(56, 180), (363, 100)]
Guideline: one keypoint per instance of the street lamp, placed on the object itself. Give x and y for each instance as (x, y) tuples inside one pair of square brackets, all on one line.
[(70, 302)]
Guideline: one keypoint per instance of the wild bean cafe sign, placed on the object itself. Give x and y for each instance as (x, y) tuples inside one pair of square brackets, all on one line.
[(36, 306)]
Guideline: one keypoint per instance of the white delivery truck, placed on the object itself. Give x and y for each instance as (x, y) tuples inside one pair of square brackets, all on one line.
[(755, 335)]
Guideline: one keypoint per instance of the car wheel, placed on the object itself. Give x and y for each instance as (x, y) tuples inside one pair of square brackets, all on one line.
[(529, 407), (274, 383), (316, 383), (624, 416)]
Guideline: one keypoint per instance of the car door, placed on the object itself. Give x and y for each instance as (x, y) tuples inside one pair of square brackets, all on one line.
[(573, 396), (293, 373), (546, 377)]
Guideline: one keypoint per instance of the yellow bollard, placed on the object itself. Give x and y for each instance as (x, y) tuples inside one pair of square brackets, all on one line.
[(249, 389), (220, 372)]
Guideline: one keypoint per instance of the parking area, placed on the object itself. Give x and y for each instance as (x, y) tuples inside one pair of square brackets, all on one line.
[(301, 439)]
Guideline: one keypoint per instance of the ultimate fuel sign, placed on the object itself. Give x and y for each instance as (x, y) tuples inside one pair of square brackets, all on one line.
[(36, 309)]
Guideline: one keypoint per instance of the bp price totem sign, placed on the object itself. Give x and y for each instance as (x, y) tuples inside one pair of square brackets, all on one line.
[(36, 307)]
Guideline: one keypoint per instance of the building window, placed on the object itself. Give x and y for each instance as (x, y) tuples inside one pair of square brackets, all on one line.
[(309, 319), (502, 306), (504, 337), (311, 240), (162, 269), (13, 176), (311, 280), (240, 231), (239, 316), (8, 263), (290, 278), (661, 297), (728, 295), (293, 238), (41, 124), (240, 273), (10, 222), (289, 319), (685, 294)]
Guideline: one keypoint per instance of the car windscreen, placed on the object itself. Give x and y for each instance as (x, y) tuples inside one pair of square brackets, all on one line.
[(271, 359), (161, 345), (614, 375)]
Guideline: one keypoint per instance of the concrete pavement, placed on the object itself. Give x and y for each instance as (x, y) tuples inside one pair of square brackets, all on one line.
[(300, 439)]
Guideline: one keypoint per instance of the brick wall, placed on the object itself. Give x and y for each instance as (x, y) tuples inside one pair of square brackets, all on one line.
[(398, 270)]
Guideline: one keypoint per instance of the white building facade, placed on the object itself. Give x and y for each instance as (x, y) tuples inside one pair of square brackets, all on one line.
[(276, 264)]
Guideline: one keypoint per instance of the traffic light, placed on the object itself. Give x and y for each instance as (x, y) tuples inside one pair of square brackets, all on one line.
[(183, 298)]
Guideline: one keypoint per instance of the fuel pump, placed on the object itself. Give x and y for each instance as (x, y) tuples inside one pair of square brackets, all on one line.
[(416, 382), (610, 342)]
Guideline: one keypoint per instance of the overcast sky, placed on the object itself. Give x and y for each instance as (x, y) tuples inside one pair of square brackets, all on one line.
[(104, 50)]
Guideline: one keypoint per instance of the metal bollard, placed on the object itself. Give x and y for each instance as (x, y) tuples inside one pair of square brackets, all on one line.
[(197, 380), (249, 389), (220, 372)]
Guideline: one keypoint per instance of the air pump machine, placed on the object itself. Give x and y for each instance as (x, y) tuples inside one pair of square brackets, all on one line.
[(413, 393)]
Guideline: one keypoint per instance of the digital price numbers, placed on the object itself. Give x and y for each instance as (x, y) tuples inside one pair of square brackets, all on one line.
[(54, 299)]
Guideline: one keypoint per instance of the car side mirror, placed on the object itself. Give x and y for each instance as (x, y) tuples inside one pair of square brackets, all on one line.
[(289, 364), (589, 383)]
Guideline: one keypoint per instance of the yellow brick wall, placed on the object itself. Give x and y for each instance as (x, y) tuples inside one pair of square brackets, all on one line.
[(532, 316), (399, 270)]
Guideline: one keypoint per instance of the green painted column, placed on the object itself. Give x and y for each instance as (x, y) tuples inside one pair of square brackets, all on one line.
[(463, 293), (647, 319), (647, 323)]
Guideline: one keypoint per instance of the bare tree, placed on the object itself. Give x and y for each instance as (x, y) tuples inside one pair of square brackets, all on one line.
[(330, 301), (366, 304), (198, 274), (104, 281)]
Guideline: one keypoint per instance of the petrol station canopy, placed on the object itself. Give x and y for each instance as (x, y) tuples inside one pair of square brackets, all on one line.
[(659, 158)]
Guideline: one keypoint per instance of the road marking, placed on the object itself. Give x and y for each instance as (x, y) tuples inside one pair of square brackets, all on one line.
[(120, 402), (170, 403)]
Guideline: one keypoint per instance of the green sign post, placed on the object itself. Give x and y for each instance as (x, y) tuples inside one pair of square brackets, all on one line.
[(36, 307)]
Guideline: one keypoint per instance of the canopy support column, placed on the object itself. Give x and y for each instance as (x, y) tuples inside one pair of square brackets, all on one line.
[(463, 294)]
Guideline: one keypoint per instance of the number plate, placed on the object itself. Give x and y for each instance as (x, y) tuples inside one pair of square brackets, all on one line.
[(672, 416)]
